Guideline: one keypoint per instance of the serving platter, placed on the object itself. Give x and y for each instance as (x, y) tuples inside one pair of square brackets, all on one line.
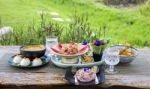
[(69, 76), (56, 60), (45, 60)]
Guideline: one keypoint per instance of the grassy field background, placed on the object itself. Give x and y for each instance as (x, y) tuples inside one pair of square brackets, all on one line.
[(130, 25)]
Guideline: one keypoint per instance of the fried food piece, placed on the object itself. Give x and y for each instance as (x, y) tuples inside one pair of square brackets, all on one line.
[(88, 59), (126, 52)]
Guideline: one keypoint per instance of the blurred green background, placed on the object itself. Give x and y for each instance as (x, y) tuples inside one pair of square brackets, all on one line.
[(130, 23)]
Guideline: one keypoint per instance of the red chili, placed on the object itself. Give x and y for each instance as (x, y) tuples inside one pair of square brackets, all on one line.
[(59, 45)]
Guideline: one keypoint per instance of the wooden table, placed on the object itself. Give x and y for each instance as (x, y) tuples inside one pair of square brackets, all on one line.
[(132, 76)]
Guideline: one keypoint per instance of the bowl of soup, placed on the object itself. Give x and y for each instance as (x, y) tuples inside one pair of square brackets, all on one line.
[(33, 50)]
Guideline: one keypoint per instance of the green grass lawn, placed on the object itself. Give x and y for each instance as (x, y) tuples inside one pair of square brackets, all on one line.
[(130, 25)]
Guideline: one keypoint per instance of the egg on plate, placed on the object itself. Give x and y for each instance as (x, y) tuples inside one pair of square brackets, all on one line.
[(36, 62), (25, 62), (17, 59)]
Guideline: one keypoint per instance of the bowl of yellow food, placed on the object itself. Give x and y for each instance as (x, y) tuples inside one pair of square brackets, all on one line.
[(126, 53), (33, 50)]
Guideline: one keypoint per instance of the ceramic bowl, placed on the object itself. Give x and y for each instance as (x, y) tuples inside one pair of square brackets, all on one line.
[(32, 53), (123, 58)]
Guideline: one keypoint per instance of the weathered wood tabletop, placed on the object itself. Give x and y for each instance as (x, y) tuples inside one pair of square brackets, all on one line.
[(135, 74)]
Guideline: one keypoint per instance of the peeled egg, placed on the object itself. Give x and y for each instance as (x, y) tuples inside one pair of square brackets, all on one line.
[(17, 59), (25, 62), (37, 62)]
